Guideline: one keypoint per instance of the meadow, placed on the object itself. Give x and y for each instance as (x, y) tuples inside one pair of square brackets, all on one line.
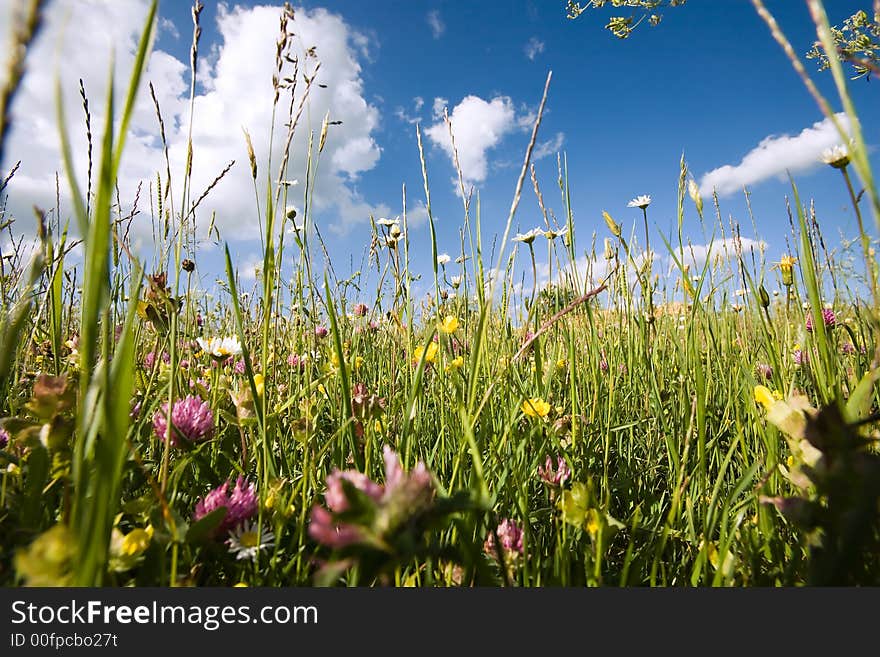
[(714, 424)]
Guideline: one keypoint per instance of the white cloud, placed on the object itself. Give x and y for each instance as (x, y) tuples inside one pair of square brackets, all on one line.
[(549, 147), (772, 157), (417, 216), (438, 27), (478, 126), (439, 105), (403, 115), (168, 27), (720, 251), (237, 76), (534, 48)]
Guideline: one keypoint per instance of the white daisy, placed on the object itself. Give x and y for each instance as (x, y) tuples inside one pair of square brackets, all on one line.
[(640, 202), (443, 259), (836, 156), (456, 281), (221, 348), (388, 222), (246, 540), (529, 237)]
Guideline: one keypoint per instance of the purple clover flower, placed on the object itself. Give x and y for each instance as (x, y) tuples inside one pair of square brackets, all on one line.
[(241, 504), (828, 318), (191, 419)]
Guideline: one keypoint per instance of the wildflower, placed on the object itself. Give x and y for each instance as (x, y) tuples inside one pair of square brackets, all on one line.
[(220, 348), (555, 477), (360, 310), (510, 535), (847, 348), (529, 237), (150, 359), (241, 504), (199, 321), (553, 234), (239, 367), (764, 370), (799, 357), (126, 551), (443, 259), (246, 540), (430, 353), (4, 438), (456, 363), (449, 324), (786, 268), (828, 318), (296, 361), (764, 396), (837, 156), (290, 212), (456, 281), (358, 361), (321, 332), (561, 365), (191, 419), (388, 222), (640, 202), (259, 384), (535, 407), (366, 404), (396, 502)]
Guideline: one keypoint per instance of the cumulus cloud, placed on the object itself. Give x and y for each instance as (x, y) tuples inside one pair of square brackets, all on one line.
[(478, 126), (438, 27), (236, 77), (533, 48), (772, 157)]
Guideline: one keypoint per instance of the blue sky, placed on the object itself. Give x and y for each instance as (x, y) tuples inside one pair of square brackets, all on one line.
[(710, 82)]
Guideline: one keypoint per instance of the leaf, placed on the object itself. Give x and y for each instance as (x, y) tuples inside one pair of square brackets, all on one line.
[(858, 406), (203, 529), (574, 504)]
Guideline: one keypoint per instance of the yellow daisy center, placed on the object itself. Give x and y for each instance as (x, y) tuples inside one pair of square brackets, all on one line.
[(249, 539)]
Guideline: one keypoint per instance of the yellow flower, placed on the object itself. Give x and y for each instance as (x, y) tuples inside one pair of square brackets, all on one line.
[(430, 354), (449, 324), (535, 407), (136, 542), (456, 363), (322, 389), (240, 585), (358, 361), (764, 396), (592, 522), (561, 364), (786, 265), (377, 426), (259, 384)]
